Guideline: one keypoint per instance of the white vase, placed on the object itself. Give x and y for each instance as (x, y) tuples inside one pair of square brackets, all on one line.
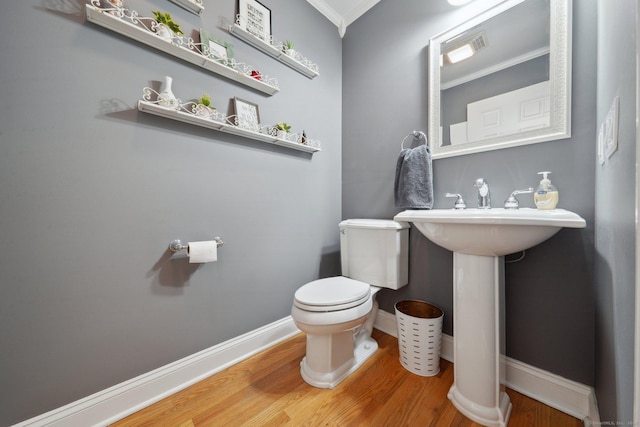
[(291, 53), (164, 32), (204, 111), (282, 134), (166, 98)]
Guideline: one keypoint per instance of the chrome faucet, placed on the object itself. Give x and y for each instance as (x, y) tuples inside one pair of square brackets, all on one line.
[(484, 198)]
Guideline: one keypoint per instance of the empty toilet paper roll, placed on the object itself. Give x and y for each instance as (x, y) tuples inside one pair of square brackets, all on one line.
[(199, 252)]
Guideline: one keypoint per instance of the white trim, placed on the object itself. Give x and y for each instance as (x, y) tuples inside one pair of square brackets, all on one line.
[(557, 392), (115, 403), (343, 17), (327, 11), (568, 396), (593, 419), (636, 346), (357, 10)]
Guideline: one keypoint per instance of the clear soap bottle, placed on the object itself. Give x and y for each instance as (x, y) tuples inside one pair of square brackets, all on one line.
[(546, 195)]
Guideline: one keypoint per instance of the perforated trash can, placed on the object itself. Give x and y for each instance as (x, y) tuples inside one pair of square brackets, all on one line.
[(419, 336)]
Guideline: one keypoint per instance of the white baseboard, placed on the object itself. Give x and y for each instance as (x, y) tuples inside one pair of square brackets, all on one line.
[(114, 403), (570, 397)]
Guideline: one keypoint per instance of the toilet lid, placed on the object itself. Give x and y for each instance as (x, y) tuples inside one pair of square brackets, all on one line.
[(332, 294)]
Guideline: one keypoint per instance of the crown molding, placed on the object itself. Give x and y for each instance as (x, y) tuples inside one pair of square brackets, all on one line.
[(348, 11)]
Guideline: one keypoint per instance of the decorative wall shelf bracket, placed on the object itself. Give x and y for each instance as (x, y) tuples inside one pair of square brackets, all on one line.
[(275, 49), (199, 115), (130, 24), (193, 6)]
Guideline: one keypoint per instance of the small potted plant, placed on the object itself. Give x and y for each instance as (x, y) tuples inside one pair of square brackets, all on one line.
[(205, 100), (166, 28), (204, 108), (288, 48), (282, 129)]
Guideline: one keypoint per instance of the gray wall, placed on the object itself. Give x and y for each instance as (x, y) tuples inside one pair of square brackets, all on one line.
[(92, 192), (549, 294), (615, 214)]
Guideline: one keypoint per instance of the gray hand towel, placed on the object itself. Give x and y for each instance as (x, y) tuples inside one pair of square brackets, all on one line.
[(413, 187)]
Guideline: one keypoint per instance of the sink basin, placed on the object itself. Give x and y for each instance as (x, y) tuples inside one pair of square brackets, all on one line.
[(490, 232), (479, 238)]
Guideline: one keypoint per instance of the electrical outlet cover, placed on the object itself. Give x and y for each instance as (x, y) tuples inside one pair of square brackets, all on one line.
[(611, 129), (600, 148)]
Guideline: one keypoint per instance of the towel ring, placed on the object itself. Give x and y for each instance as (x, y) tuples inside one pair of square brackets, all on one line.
[(416, 134)]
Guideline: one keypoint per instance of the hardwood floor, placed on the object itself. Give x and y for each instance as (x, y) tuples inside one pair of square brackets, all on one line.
[(267, 390)]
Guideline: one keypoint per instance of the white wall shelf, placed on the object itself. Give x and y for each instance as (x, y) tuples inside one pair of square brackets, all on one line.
[(193, 6), (196, 114), (130, 24), (275, 50)]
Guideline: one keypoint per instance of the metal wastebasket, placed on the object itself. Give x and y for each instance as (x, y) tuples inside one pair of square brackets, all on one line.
[(419, 336)]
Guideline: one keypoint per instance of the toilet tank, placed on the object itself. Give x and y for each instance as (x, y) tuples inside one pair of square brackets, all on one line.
[(375, 251)]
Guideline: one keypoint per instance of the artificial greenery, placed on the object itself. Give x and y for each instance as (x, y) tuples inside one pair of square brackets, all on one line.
[(288, 44), (166, 19), (283, 126), (205, 100)]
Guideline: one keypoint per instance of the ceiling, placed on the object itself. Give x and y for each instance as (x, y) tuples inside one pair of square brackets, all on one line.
[(342, 12)]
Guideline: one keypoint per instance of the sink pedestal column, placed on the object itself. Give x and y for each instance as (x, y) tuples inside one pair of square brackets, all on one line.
[(478, 338)]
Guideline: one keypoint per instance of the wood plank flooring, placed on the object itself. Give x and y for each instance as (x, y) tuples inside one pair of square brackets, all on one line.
[(267, 390)]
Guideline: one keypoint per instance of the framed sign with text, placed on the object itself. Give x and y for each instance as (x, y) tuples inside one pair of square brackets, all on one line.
[(255, 18), (247, 114)]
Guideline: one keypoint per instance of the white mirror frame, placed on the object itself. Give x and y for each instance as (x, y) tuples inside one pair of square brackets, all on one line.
[(559, 79)]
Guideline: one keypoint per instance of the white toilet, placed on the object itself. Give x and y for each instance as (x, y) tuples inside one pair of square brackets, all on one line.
[(337, 313)]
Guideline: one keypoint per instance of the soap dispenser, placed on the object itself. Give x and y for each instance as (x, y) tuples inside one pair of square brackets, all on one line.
[(546, 195)]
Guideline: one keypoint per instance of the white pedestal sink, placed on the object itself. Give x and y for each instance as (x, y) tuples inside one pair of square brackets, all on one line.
[(479, 239)]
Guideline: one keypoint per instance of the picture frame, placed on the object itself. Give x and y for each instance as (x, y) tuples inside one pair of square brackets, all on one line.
[(247, 114), (219, 50), (255, 18)]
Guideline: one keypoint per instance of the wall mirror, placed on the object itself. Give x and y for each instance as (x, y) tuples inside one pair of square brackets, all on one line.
[(501, 79)]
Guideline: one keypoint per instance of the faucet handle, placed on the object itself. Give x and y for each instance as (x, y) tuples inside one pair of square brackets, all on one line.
[(512, 202), (460, 204)]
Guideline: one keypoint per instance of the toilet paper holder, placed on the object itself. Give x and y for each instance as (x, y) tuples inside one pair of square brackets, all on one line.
[(177, 245)]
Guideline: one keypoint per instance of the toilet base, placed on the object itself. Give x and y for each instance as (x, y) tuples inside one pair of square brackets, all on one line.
[(361, 353)]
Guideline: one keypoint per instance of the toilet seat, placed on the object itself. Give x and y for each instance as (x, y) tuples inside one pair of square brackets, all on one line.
[(332, 294)]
